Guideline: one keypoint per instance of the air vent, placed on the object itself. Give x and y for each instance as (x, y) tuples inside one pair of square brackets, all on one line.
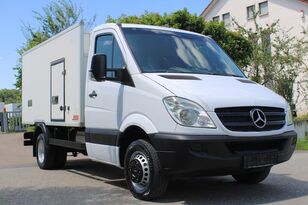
[(180, 77), (246, 81)]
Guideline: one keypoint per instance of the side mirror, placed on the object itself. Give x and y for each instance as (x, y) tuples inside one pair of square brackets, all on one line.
[(99, 66)]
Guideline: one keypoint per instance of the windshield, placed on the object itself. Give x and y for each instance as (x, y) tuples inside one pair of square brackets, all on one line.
[(159, 51)]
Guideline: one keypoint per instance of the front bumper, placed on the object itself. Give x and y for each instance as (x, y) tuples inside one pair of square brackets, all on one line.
[(217, 155)]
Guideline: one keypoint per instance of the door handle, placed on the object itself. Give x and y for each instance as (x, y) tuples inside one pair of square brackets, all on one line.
[(93, 94)]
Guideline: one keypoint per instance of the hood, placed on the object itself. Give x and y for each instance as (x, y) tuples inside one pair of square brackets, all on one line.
[(212, 91)]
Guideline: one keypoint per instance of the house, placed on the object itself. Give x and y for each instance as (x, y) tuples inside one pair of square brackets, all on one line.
[(292, 16)]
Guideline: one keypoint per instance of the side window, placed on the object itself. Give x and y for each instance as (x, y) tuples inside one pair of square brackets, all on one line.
[(117, 56), (104, 45), (108, 45)]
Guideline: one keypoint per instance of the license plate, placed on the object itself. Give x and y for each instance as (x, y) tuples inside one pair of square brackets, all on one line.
[(260, 160)]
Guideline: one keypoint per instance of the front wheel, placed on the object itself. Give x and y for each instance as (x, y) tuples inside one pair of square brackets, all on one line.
[(252, 177), (143, 171)]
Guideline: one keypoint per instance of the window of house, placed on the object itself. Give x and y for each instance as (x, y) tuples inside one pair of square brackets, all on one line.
[(216, 18), (226, 19), (263, 8), (251, 11)]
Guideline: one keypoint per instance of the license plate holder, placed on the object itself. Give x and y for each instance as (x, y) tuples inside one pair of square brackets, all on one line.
[(256, 160)]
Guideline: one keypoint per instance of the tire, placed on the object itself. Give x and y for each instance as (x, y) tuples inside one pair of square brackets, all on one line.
[(253, 177), (143, 171), (61, 156), (45, 154)]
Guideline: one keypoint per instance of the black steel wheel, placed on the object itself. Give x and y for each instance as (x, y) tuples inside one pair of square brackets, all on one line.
[(143, 171)]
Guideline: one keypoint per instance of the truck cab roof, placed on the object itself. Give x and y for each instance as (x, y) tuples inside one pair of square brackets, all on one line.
[(143, 26)]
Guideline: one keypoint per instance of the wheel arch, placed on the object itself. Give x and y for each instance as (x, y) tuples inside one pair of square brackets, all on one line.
[(129, 135), (135, 126), (138, 120)]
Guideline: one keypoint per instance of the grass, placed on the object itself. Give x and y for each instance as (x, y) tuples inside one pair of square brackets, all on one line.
[(302, 144), (301, 118), (30, 129)]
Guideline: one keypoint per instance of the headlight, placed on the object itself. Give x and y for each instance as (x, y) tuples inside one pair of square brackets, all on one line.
[(289, 116), (188, 113)]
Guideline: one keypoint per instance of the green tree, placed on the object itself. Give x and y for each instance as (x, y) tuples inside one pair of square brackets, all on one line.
[(237, 46), (56, 17), (10, 96), (277, 57)]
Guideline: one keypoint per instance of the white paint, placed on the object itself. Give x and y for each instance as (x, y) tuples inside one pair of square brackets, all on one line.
[(104, 153), (292, 15), (138, 119), (57, 91), (71, 45)]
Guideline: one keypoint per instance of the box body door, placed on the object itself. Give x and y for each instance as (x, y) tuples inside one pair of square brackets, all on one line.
[(58, 90)]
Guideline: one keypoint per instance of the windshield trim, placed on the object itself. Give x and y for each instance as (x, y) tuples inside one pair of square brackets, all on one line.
[(196, 73)]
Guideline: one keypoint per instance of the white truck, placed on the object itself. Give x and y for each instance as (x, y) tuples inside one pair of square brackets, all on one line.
[(154, 101)]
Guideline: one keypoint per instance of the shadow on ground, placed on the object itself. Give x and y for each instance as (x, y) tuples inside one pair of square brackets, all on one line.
[(209, 190), (214, 190)]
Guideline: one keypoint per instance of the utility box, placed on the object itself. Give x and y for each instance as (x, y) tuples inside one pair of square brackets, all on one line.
[(13, 107), (54, 79)]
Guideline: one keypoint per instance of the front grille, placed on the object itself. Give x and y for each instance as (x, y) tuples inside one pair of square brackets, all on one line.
[(238, 118)]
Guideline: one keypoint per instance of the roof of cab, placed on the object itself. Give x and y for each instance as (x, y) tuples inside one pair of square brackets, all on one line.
[(116, 26)]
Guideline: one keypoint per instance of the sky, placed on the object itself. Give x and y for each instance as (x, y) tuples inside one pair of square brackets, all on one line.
[(15, 13)]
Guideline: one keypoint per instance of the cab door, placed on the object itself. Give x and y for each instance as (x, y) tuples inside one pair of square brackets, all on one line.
[(104, 102)]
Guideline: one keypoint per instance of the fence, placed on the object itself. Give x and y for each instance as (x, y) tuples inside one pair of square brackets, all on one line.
[(301, 128), (11, 122)]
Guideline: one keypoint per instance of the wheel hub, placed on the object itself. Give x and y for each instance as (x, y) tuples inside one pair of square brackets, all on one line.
[(139, 171), (135, 169), (41, 151)]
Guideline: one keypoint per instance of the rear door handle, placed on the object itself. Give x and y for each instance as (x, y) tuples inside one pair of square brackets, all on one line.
[(93, 94)]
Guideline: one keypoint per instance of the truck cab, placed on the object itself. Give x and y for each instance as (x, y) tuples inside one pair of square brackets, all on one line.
[(156, 102)]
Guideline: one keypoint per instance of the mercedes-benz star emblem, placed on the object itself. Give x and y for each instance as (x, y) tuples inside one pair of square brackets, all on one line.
[(258, 118)]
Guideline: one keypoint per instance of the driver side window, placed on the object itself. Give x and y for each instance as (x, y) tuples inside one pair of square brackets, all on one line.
[(107, 44)]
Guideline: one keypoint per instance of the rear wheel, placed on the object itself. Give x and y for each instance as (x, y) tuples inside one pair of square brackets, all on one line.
[(253, 177), (143, 171), (45, 154)]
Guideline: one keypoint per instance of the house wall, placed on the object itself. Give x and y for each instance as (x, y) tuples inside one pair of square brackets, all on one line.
[(286, 11)]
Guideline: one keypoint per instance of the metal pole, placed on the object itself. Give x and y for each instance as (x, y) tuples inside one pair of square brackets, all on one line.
[(1, 122), (5, 122)]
